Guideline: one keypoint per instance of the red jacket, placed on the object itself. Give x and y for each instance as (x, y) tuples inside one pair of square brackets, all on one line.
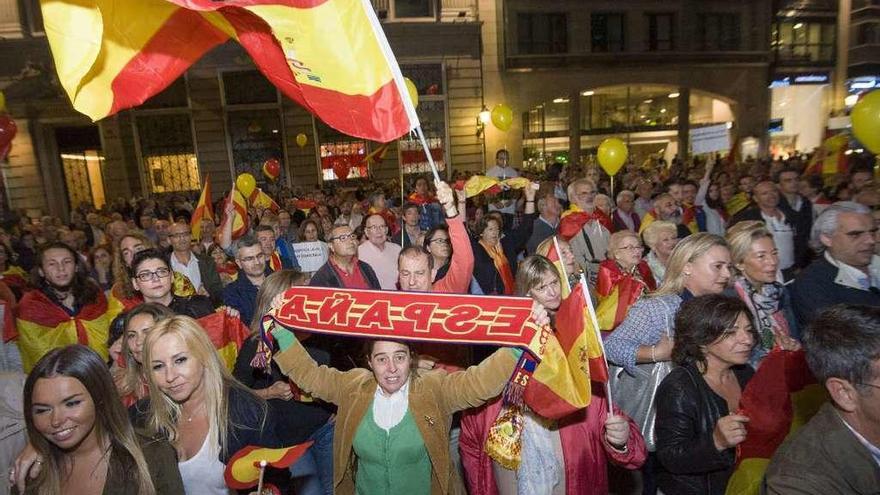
[(584, 448)]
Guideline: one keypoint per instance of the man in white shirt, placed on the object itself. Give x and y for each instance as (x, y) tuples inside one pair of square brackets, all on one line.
[(199, 270), (506, 201), (379, 253)]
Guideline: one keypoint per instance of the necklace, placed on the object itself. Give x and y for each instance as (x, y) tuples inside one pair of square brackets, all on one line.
[(192, 415)]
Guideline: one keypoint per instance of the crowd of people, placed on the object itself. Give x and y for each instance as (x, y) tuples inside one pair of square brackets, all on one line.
[(698, 269)]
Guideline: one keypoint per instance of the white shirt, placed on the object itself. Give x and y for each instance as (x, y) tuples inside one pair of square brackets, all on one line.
[(389, 410), (191, 269), (783, 236), (382, 261), (850, 276), (203, 472)]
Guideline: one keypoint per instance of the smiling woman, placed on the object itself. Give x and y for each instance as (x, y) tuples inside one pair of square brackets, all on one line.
[(78, 426)]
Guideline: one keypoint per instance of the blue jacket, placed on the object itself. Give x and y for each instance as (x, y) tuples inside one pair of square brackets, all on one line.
[(242, 295)]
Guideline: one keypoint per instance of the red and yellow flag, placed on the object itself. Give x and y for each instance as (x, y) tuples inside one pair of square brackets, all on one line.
[(227, 333), (649, 218), (262, 201), (42, 325), (330, 56), (561, 382), (573, 220), (781, 397), (239, 216), (243, 468), (831, 158), (204, 209), (618, 291), (555, 257)]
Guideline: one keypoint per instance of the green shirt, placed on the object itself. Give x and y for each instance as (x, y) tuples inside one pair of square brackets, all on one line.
[(391, 462)]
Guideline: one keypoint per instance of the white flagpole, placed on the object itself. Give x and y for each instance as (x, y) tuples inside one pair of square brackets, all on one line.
[(428, 153), (561, 263), (592, 312)]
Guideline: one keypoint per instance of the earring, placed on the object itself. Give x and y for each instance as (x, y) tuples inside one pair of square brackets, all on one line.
[(687, 274)]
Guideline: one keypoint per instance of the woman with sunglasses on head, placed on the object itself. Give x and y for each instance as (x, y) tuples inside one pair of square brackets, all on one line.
[(81, 433), (567, 456)]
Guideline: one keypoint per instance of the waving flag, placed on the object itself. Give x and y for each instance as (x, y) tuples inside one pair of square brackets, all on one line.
[(573, 220), (330, 56), (204, 209), (781, 397), (239, 215), (259, 199), (227, 333)]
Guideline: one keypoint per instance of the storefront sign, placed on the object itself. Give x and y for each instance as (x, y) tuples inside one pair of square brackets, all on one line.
[(783, 80)]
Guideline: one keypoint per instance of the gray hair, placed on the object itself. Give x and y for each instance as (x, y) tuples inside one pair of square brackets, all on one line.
[(843, 341), (827, 222), (245, 242), (625, 193)]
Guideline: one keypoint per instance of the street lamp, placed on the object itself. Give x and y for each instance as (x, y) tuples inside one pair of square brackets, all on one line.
[(483, 118)]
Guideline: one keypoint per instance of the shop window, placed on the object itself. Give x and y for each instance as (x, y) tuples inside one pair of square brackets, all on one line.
[(608, 32), (718, 32), (341, 152), (661, 32), (799, 41), (629, 107), (404, 9), (167, 153), (255, 136), (541, 33)]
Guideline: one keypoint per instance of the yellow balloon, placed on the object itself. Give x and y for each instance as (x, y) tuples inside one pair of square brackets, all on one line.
[(502, 117), (301, 140), (245, 184), (612, 155), (2, 102), (866, 121), (413, 91)]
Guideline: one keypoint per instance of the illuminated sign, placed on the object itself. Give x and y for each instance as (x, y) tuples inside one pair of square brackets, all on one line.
[(783, 80)]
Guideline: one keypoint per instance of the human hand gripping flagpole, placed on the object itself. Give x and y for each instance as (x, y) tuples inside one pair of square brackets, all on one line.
[(592, 312)]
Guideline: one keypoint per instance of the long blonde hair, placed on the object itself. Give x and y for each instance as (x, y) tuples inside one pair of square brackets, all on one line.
[(686, 251), (164, 413), (111, 421)]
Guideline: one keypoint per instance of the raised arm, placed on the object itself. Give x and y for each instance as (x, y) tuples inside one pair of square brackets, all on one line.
[(458, 277), (323, 382)]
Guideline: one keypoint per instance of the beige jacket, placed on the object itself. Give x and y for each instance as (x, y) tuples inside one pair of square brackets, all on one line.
[(434, 397)]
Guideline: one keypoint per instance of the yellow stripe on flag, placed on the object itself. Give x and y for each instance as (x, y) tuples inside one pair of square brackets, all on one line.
[(304, 35)]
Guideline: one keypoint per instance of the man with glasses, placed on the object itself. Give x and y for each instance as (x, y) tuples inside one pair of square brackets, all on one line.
[(200, 270), (838, 450), (847, 270), (242, 293), (379, 252), (343, 269), (590, 244)]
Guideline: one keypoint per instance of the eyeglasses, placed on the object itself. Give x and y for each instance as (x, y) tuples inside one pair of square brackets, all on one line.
[(439, 241), (343, 237), (146, 275), (249, 259), (377, 227), (630, 248), (868, 385), (180, 235)]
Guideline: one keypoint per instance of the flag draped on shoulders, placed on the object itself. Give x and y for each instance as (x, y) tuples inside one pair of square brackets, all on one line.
[(781, 397), (330, 56), (618, 291), (561, 382), (42, 325), (573, 220), (737, 203), (16, 278)]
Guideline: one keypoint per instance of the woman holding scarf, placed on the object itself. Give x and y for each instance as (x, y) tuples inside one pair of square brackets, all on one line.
[(757, 282), (623, 279), (494, 255), (565, 456)]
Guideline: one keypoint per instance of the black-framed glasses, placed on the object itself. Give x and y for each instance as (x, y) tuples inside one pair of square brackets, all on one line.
[(260, 257), (439, 240), (343, 237), (146, 275)]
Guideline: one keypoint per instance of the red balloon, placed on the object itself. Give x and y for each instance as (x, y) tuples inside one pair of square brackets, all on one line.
[(272, 168), (341, 167), (7, 134)]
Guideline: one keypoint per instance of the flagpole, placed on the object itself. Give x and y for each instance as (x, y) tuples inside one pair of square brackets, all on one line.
[(427, 153), (402, 197), (592, 312)]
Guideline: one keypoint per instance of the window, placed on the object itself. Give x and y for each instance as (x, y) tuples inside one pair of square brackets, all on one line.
[(247, 87), (868, 34), (799, 41), (167, 152), (540, 33), (414, 8), (661, 32), (429, 81), (718, 32), (608, 32), (340, 152)]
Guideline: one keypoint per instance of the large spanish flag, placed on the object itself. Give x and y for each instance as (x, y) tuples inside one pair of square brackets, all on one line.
[(561, 381), (330, 56), (42, 325), (781, 397)]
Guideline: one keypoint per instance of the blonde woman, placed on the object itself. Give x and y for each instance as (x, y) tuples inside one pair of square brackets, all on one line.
[(195, 403), (757, 283), (661, 237), (623, 278), (131, 380)]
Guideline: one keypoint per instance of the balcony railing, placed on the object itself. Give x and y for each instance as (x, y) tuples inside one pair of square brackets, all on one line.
[(442, 10)]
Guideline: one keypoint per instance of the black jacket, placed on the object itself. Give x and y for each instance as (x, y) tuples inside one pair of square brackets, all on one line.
[(814, 289), (326, 276), (514, 242), (687, 410)]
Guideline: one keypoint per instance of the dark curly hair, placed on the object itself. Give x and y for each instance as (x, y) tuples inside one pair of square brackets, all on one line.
[(701, 321), (147, 254)]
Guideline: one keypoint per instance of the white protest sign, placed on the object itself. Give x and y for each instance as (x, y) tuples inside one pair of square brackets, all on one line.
[(310, 255), (710, 139)]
